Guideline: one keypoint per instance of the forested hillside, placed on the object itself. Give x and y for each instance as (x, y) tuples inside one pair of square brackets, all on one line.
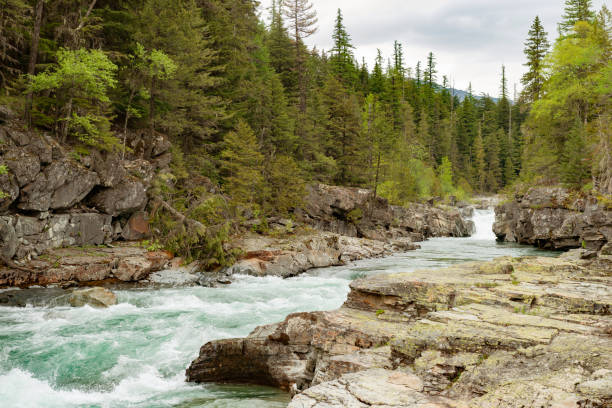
[(256, 114)]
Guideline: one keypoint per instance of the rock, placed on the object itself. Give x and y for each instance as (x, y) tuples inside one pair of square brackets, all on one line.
[(135, 268), (96, 297), (86, 264), (508, 333), (137, 227), (371, 388), (127, 197), (23, 165), (10, 190), (19, 138), (550, 218), (356, 213), (60, 186), (8, 241), (160, 145), (6, 114), (141, 169), (109, 168)]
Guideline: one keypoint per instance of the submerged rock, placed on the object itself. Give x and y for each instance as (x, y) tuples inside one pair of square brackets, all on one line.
[(96, 297)]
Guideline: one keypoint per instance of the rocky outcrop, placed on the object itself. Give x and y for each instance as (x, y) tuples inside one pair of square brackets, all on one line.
[(508, 333), (87, 264), (355, 212), (52, 197), (554, 218)]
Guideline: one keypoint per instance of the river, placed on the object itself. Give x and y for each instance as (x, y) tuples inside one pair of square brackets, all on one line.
[(135, 354)]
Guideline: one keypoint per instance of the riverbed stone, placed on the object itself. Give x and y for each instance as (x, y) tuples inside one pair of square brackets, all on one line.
[(96, 297)]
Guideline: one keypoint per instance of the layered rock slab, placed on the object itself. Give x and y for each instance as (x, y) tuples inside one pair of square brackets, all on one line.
[(510, 333)]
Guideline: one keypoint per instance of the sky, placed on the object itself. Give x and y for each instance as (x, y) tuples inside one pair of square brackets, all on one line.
[(471, 39)]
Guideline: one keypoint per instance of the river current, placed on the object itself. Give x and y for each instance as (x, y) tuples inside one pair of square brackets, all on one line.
[(135, 354)]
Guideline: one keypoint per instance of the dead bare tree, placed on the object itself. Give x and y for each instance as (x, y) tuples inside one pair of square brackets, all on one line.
[(302, 23)]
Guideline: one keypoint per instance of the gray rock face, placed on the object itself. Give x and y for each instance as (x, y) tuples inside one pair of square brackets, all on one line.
[(35, 235), (8, 241), (551, 218), (109, 169), (10, 188), (126, 198), (24, 165), (60, 186), (96, 297), (356, 213)]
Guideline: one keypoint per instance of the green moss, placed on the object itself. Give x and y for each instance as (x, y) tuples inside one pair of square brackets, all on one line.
[(354, 216), (380, 312)]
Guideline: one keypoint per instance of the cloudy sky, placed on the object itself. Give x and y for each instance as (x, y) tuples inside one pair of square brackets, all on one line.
[(471, 39)]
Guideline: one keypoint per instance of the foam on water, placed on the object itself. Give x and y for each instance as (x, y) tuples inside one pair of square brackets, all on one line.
[(134, 354)]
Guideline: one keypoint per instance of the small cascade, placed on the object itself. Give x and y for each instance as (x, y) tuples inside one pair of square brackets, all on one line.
[(483, 221)]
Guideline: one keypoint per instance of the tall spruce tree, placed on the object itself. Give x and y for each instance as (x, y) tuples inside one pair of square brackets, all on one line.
[(342, 52), (536, 48), (575, 11)]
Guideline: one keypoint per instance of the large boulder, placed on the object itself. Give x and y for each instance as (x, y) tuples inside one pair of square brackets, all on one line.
[(126, 198), (61, 185), (96, 297)]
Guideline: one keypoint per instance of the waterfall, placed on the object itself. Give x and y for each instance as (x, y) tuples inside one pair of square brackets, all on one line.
[(483, 221)]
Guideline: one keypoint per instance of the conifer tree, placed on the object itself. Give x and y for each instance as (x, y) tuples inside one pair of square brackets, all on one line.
[(242, 167), (536, 48), (575, 11), (480, 176), (342, 52)]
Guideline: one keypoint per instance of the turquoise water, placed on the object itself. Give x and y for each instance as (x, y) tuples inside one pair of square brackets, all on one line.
[(135, 354)]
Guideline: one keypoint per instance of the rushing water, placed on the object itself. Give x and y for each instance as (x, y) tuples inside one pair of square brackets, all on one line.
[(134, 354)]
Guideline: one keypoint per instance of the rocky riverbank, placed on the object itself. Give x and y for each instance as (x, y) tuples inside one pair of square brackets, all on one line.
[(555, 218), (508, 333)]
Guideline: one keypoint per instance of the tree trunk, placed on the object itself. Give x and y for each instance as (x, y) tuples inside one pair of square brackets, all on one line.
[(125, 123), (34, 57)]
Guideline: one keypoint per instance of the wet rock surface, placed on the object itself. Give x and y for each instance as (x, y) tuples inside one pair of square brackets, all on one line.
[(514, 332), (554, 218)]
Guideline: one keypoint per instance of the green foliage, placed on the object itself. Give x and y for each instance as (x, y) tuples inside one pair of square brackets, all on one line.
[(3, 171), (80, 82)]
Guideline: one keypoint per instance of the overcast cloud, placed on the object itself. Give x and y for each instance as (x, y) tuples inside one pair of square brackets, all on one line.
[(471, 39)]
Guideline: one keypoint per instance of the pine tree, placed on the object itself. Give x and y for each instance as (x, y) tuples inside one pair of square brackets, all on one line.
[(282, 52), (575, 11), (242, 167), (536, 48), (480, 175), (575, 160), (377, 81), (342, 52)]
